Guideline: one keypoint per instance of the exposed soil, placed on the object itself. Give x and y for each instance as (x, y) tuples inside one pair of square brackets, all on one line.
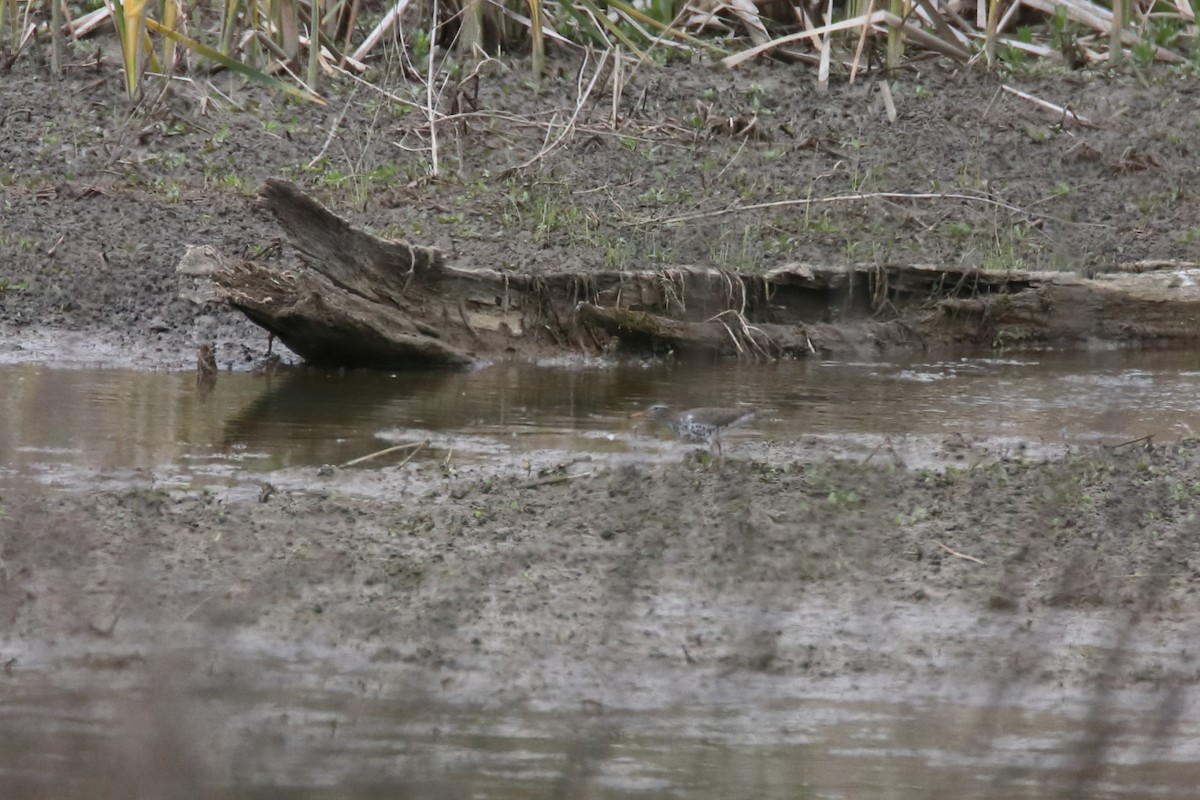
[(630, 587), (481, 570), (99, 203), (1065, 586)]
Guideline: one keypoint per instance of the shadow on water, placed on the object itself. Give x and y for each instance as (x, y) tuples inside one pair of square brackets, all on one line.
[(306, 407)]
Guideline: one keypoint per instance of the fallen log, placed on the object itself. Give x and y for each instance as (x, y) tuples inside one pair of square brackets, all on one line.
[(318, 320), (726, 330), (361, 300)]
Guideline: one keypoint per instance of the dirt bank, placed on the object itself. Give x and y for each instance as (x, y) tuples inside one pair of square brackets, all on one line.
[(100, 202), (564, 591)]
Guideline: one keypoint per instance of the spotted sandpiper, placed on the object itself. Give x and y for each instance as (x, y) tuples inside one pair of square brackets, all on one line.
[(700, 424), (206, 365)]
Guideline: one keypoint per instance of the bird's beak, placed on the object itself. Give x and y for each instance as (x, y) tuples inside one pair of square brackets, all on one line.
[(638, 415)]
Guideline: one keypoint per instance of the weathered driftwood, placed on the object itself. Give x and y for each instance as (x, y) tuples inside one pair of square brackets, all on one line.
[(366, 301)]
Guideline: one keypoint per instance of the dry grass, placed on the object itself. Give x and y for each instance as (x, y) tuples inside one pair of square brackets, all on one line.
[(272, 41)]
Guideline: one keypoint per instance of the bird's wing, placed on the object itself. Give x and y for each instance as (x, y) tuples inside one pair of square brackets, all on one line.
[(724, 417)]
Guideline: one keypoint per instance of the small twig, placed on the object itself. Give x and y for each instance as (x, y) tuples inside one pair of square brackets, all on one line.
[(197, 607), (62, 238), (957, 554), (732, 336), (1148, 438), (383, 452), (333, 129), (988, 109), (430, 106), (416, 450), (554, 479), (733, 158), (746, 330), (108, 631), (395, 98), (862, 40), (843, 198), (446, 460), (582, 97)]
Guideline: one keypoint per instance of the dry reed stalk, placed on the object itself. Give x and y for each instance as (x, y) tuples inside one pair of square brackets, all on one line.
[(826, 50), (862, 40), (1100, 20), (926, 39), (381, 28), (846, 24), (618, 88), (1060, 111), (747, 13), (1041, 51), (926, 10), (889, 103)]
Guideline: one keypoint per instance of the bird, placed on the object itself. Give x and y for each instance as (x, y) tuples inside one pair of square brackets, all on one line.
[(700, 424), (206, 365)]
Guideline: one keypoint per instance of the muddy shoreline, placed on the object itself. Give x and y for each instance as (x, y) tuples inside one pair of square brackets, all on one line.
[(717, 569), (1062, 587)]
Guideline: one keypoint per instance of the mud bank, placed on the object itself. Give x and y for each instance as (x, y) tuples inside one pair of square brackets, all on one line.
[(100, 206), (677, 575)]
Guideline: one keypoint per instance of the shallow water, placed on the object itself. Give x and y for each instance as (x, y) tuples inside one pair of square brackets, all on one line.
[(70, 424), (260, 733)]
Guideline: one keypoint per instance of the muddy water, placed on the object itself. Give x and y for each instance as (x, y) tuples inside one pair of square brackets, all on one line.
[(297, 744), (75, 424)]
